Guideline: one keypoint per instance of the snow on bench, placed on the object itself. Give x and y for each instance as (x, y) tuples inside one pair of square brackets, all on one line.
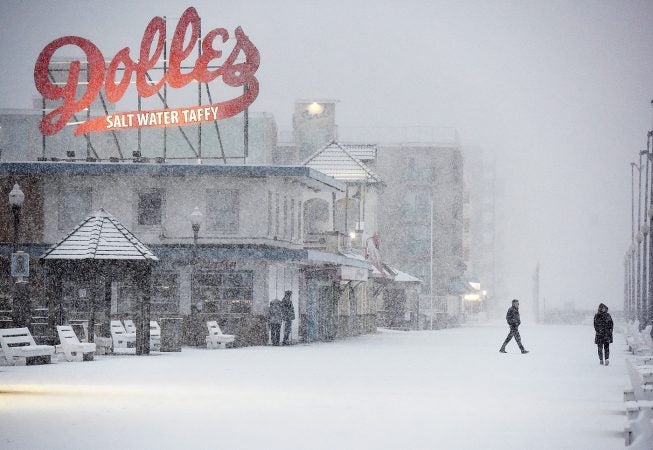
[(123, 342), (216, 339), (71, 347), (638, 433), (641, 380), (18, 346), (639, 342), (633, 408)]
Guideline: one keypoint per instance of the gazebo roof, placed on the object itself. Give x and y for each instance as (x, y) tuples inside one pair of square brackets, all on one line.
[(100, 237), (344, 163)]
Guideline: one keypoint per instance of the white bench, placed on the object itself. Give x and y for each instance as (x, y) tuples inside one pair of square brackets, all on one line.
[(71, 347), (638, 433), (216, 339), (641, 380), (155, 336), (639, 342), (633, 408), (123, 342), (18, 345), (130, 328)]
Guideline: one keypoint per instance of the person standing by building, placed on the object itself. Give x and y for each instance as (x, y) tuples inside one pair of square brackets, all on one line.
[(603, 326), (275, 316), (512, 317), (288, 315)]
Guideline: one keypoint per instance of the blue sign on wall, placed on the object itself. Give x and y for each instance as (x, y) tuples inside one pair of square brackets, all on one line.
[(20, 264)]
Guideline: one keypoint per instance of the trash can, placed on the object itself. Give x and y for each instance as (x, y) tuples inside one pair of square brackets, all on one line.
[(171, 332)]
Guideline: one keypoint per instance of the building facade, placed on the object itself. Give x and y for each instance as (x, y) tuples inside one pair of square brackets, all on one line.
[(249, 249)]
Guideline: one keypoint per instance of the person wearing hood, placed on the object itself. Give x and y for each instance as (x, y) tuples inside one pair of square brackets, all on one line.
[(603, 326)]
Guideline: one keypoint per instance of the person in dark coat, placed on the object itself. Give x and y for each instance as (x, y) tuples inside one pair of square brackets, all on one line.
[(603, 326), (287, 315), (275, 317), (512, 317)]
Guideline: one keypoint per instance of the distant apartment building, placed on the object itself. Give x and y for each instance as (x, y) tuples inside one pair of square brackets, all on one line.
[(421, 219), (479, 241)]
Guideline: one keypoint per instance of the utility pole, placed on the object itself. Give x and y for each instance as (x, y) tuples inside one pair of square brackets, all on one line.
[(536, 292)]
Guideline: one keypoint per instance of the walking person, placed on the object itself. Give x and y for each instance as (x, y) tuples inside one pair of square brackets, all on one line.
[(274, 318), (603, 326), (512, 317), (288, 315)]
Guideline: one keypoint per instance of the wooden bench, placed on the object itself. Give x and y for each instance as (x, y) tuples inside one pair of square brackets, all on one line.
[(155, 336), (123, 342), (19, 348), (216, 339), (71, 347)]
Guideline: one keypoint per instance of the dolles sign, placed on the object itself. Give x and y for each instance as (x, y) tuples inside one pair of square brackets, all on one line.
[(233, 74)]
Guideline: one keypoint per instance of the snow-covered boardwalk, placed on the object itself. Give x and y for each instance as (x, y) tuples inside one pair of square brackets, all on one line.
[(447, 389)]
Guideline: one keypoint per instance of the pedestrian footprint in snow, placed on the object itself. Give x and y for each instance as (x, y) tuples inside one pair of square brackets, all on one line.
[(603, 326), (512, 317)]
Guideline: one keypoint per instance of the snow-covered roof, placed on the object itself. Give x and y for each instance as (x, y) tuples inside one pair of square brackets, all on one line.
[(307, 175), (363, 152), (339, 162), (403, 277), (100, 236), (393, 274)]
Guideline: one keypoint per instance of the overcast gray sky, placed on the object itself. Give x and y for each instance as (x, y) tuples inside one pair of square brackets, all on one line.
[(560, 91)]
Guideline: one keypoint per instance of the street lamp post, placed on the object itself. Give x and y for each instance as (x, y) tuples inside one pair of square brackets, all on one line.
[(196, 221), (633, 273), (639, 238), (194, 325), (644, 229), (649, 220), (633, 283), (21, 310), (16, 200)]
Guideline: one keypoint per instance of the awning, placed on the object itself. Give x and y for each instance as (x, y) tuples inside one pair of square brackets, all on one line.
[(393, 274), (300, 256)]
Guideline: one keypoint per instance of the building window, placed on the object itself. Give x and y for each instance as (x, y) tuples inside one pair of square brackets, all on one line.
[(299, 220), (76, 299), (269, 213), (165, 293), (127, 301), (292, 219), (317, 216), (223, 211), (164, 297), (276, 216), (409, 169), (285, 217), (74, 206), (225, 292), (149, 208)]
